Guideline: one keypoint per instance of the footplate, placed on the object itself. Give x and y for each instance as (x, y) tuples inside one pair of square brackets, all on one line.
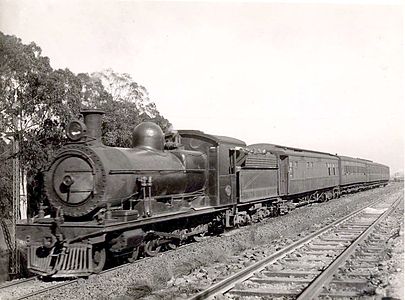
[(73, 261)]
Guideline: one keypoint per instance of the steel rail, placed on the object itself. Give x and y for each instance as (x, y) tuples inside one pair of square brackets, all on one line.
[(42, 291), (228, 283), (314, 289), (16, 282)]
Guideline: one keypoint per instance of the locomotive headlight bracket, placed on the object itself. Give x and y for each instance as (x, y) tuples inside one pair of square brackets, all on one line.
[(75, 130)]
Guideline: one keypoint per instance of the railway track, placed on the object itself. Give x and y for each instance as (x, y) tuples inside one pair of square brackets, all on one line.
[(32, 287), (322, 265)]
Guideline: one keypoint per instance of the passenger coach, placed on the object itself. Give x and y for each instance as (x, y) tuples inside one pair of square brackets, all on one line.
[(306, 174)]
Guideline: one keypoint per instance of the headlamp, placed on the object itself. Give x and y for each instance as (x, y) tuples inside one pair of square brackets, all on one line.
[(75, 130)]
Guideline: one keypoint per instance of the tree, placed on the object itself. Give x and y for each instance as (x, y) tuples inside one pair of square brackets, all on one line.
[(123, 88), (129, 103), (23, 72), (36, 102)]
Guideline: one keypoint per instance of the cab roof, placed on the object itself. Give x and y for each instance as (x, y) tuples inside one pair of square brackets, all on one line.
[(214, 139)]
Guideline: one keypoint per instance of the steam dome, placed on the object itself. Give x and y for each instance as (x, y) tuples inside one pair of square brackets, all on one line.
[(149, 135)]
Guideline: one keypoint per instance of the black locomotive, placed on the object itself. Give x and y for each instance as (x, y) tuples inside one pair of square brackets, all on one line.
[(165, 190)]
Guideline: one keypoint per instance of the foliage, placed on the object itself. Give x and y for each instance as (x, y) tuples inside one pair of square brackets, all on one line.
[(22, 73), (37, 102), (130, 104), (123, 89)]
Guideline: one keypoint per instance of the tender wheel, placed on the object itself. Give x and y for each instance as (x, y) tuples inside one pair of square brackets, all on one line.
[(134, 255), (98, 258), (152, 248)]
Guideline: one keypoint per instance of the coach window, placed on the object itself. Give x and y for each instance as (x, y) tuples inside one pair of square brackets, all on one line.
[(291, 169)]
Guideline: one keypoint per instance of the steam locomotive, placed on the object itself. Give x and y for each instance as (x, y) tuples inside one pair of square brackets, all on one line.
[(169, 189)]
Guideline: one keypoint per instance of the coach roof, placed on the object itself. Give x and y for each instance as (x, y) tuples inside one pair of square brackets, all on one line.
[(292, 151)]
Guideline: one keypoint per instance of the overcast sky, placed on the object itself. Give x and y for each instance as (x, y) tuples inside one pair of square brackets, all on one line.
[(320, 76)]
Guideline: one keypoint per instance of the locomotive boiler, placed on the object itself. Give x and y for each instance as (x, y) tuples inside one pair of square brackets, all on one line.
[(87, 175)]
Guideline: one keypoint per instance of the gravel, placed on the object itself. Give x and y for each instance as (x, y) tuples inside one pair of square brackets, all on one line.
[(390, 282), (381, 268), (177, 274)]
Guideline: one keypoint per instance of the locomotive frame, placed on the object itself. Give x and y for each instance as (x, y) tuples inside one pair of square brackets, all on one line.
[(170, 189)]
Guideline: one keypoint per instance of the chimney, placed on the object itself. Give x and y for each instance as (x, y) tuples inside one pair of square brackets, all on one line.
[(92, 119)]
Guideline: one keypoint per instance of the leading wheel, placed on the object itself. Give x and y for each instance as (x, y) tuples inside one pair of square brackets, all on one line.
[(98, 259)]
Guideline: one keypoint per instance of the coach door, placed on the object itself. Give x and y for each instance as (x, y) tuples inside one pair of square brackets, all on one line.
[(283, 175)]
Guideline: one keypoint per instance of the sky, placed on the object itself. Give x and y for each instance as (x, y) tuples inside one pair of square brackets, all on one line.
[(325, 75)]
